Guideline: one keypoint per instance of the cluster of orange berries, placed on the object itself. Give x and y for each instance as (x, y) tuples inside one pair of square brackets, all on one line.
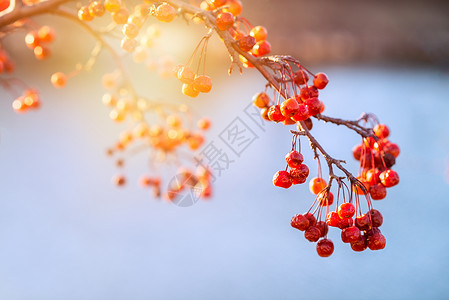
[(192, 84), (38, 40), (377, 155), (29, 100)]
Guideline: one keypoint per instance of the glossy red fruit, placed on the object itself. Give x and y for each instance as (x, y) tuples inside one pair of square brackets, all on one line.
[(247, 43), (260, 33), (325, 247), (378, 192), (308, 92), (376, 217), (264, 113), (360, 244), (376, 241), (289, 107), (261, 48), (311, 218), (345, 223), (320, 81), (282, 179), (301, 77), (312, 234), (289, 121), (302, 113), (300, 222), (381, 131), (362, 222), (350, 234), (294, 159), (316, 185), (346, 210), (314, 105), (299, 174), (323, 227), (389, 178), (326, 199), (274, 113), (372, 176), (392, 149), (332, 219), (225, 20)]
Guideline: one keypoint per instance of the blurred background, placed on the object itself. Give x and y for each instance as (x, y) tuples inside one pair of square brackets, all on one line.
[(67, 233)]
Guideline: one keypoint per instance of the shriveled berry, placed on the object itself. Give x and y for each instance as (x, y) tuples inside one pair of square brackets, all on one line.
[(317, 184), (311, 218), (325, 247), (362, 222), (346, 210), (301, 77), (312, 234), (377, 191), (333, 219), (344, 223), (289, 107), (308, 92), (299, 174), (360, 244), (376, 217), (389, 178), (300, 222), (294, 159), (282, 179), (274, 113), (350, 234), (323, 227), (376, 241), (246, 43), (320, 81)]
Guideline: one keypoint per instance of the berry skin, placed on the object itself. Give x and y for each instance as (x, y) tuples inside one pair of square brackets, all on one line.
[(332, 219), (300, 222), (261, 100), (247, 43), (289, 107), (350, 234), (317, 184), (325, 248), (96, 9), (234, 7), (312, 234), (301, 77), (84, 14), (323, 227), (372, 176), (261, 48), (311, 218), (392, 149), (260, 33), (58, 80), (376, 241), (165, 13), (274, 113), (309, 92), (294, 159), (346, 210), (46, 34), (130, 30), (381, 131), (314, 105), (376, 217), (362, 222), (225, 20), (360, 244), (202, 84), (344, 223), (302, 113), (299, 174), (186, 75), (112, 5), (188, 90), (326, 199), (320, 81), (282, 179), (389, 178), (378, 191), (121, 16)]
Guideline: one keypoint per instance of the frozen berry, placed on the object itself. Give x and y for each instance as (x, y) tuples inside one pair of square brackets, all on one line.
[(294, 159), (300, 222), (282, 179), (312, 234)]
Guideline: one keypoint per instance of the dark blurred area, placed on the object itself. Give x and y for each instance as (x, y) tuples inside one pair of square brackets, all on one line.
[(381, 31)]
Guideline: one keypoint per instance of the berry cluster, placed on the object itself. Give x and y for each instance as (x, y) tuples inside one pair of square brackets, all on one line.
[(29, 100), (37, 41), (377, 155)]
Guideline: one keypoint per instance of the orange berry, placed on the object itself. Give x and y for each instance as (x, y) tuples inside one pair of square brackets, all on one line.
[(96, 9), (46, 34), (136, 20), (186, 75), (261, 48), (112, 5), (261, 100), (202, 84), (225, 20), (32, 39), (109, 100), (142, 10), (120, 16), (260, 33), (188, 90), (41, 52), (18, 105), (165, 12), (316, 185), (130, 30), (203, 123), (84, 14), (195, 141), (234, 7), (58, 80), (129, 45), (119, 180)]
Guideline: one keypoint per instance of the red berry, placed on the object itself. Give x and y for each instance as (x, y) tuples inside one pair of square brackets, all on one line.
[(326, 199), (309, 92), (311, 218), (260, 33), (301, 77), (282, 179), (325, 248), (261, 48), (376, 241), (333, 219), (261, 100), (357, 151), (381, 131), (289, 107), (300, 222), (362, 222), (360, 244), (225, 20), (294, 159), (299, 174), (274, 113), (389, 178), (378, 191), (376, 217), (320, 81), (312, 234), (302, 113), (350, 234), (346, 210), (247, 43), (344, 223), (317, 184), (372, 176), (392, 149), (314, 105)]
